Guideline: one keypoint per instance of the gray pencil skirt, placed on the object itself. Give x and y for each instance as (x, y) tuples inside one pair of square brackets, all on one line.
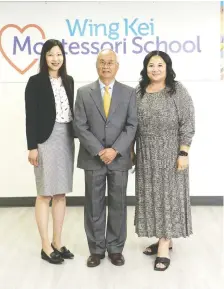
[(54, 173)]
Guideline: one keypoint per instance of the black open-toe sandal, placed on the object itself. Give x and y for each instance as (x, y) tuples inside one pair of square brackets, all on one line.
[(153, 248), (161, 260)]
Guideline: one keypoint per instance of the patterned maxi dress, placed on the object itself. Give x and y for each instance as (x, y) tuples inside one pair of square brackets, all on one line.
[(163, 204)]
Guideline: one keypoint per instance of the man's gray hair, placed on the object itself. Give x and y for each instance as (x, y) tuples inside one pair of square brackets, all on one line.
[(108, 49)]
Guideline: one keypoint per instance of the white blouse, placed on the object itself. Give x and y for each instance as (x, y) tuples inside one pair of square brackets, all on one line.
[(63, 111)]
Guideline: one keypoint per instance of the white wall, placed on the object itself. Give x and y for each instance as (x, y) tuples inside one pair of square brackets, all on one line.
[(199, 73)]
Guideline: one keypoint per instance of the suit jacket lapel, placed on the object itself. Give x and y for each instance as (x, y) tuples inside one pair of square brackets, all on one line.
[(116, 98), (97, 98)]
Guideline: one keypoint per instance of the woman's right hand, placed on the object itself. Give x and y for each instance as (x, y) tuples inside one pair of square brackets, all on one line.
[(33, 157)]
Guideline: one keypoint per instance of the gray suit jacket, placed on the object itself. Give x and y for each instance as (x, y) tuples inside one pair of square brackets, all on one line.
[(95, 132)]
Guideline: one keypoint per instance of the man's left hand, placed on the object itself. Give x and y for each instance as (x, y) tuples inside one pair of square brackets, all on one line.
[(108, 155)]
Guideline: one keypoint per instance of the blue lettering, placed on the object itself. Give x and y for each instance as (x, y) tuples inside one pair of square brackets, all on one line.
[(191, 47), (77, 26), (106, 44), (146, 46), (64, 44), (22, 48), (175, 43), (134, 41), (73, 46), (84, 45), (158, 43), (127, 27), (97, 26), (94, 45), (113, 31), (142, 27), (35, 47)]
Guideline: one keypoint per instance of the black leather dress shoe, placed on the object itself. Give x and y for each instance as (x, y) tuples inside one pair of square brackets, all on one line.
[(117, 259), (54, 258), (94, 260), (64, 252)]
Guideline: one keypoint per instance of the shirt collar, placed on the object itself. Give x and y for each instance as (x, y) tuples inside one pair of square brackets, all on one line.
[(102, 85), (56, 80)]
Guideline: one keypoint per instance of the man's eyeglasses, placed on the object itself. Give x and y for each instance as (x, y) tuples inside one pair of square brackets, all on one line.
[(109, 64)]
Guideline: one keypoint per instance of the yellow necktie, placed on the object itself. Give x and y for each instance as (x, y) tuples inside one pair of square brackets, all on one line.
[(106, 101)]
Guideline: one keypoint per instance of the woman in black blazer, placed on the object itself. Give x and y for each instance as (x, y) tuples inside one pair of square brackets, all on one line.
[(49, 98)]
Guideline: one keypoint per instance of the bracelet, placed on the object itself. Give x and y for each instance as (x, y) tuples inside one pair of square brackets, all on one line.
[(183, 154)]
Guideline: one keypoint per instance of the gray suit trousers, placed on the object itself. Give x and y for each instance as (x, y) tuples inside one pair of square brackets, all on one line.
[(113, 238)]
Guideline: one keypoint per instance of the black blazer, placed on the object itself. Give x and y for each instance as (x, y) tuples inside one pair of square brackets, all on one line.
[(40, 107)]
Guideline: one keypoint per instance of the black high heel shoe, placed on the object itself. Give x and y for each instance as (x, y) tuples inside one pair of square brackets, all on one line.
[(64, 252), (54, 258)]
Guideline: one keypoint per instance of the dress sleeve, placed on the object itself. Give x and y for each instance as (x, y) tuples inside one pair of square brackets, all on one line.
[(186, 114)]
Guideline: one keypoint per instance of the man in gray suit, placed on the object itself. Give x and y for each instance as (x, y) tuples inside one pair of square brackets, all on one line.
[(105, 123)]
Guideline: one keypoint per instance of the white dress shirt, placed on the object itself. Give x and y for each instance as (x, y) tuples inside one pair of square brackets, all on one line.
[(102, 87)]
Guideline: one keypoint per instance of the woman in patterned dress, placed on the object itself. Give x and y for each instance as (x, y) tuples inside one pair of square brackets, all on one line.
[(49, 97), (163, 139)]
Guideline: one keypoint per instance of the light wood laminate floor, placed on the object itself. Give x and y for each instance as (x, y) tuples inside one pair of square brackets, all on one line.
[(196, 262)]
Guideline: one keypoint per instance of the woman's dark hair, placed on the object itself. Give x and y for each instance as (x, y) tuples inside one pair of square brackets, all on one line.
[(43, 63), (170, 74)]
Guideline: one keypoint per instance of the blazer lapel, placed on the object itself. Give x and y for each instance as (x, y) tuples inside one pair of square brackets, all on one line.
[(97, 98), (46, 84), (116, 98), (68, 88)]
